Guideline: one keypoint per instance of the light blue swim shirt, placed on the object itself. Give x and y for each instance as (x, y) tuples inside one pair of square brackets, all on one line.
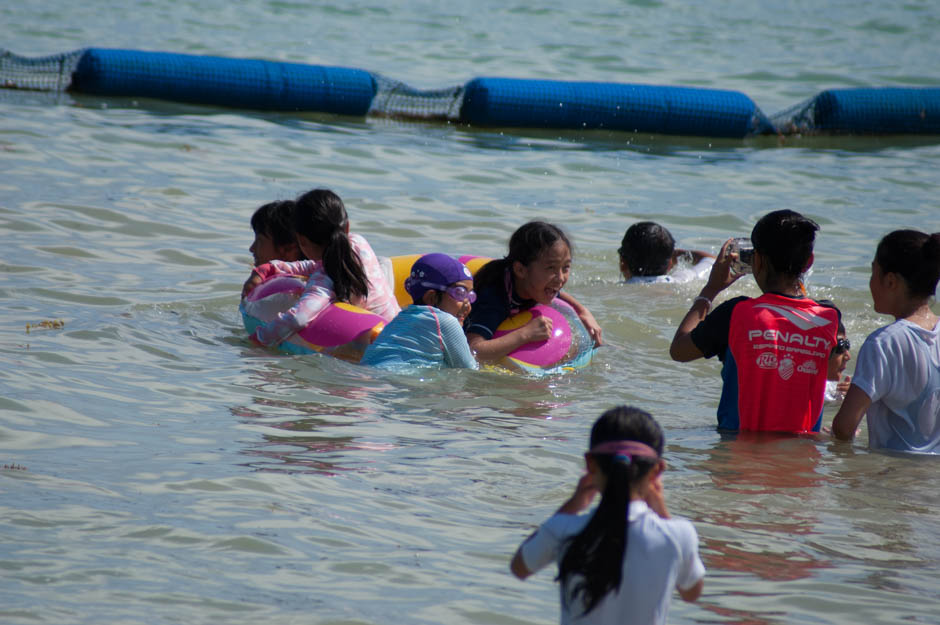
[(418, 337)]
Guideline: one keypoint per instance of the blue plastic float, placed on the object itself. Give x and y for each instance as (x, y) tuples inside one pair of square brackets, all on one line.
[(627, 107), (238, 83), (884, 110), (488, 102)]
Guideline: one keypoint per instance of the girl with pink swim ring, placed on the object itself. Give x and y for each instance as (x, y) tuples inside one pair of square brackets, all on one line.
[(341, 330), (342, 268), (534, 271)]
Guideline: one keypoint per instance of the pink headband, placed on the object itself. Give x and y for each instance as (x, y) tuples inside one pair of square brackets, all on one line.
[(625, 448)]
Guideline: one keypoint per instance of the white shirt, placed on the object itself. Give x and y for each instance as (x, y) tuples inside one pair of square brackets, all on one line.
[(679, 275), (661, 554), (898, 367)]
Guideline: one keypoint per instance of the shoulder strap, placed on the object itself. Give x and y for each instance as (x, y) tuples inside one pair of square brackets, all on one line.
[(440, 337)]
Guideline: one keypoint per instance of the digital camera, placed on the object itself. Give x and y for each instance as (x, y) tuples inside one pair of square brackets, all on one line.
[(745, 251)]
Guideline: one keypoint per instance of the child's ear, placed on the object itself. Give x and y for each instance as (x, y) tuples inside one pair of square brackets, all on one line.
[(625, 270), (519, 270), (809, 263), (757, 263), (430, 298), (890, 280), (660, 467)]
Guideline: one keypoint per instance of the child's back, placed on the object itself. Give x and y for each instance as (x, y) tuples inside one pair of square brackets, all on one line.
[(421, 336), (604, 578), (429, 333), (661, 554)]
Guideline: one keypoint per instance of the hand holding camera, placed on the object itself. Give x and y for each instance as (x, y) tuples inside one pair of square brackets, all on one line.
[(733, 262), (742, 254)]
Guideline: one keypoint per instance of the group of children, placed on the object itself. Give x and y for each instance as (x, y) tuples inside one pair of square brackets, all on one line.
[(454, 317), (779, 348), (620, 562)]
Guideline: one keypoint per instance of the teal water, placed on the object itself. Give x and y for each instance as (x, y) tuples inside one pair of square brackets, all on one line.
[(169, 472)]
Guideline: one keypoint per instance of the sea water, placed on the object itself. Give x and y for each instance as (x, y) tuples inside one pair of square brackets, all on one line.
[(158, 468)]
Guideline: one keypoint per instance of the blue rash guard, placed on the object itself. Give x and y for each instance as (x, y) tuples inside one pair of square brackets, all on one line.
[(421, 336)]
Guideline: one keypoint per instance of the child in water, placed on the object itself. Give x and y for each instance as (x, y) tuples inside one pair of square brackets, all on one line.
[(534, 272), (341, 267), (897, 371), (839, 357), (648, 254), (429, 333), (620, 563), (774, 348), (273, 225)]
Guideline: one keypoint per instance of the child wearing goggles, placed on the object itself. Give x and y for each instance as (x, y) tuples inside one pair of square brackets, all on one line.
[(837, 384), (429, 333)]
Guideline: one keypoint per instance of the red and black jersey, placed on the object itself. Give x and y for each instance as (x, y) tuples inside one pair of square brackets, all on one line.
[(775, 350)]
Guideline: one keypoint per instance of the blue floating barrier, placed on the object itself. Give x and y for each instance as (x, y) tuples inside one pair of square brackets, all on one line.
[(885, 110), (237, 83), (493, 102), (612, 106)]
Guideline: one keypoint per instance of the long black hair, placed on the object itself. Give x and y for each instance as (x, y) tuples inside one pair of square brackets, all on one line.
[(525, 245), (320, 216), (913, 255), (592, 565)]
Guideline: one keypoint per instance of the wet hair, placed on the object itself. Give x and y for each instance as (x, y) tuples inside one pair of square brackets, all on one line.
[(525, 245), (592, 565), (913, 255), (320, 216), (785, 239), (647, 248), (276, 221)]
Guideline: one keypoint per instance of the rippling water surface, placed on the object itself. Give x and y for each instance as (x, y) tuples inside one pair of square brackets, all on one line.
[(160, 469)]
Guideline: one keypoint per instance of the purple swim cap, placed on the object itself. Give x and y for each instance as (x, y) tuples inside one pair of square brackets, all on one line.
[(434, 272)]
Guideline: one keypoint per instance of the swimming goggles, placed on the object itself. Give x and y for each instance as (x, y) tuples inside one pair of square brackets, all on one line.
[(842, 345), (458, 292)]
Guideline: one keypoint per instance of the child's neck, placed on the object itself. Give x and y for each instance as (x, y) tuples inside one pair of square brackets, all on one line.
[(519, 291), (917, 312), (791, 287)]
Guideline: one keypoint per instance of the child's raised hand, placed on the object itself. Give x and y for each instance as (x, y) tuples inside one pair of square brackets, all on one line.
[(843, 386), (583, 495), (587, 319), (655, 497), (721, 276), (538, 329)]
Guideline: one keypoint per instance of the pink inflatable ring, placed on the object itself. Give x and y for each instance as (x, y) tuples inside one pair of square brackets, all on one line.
[(342, 330)]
